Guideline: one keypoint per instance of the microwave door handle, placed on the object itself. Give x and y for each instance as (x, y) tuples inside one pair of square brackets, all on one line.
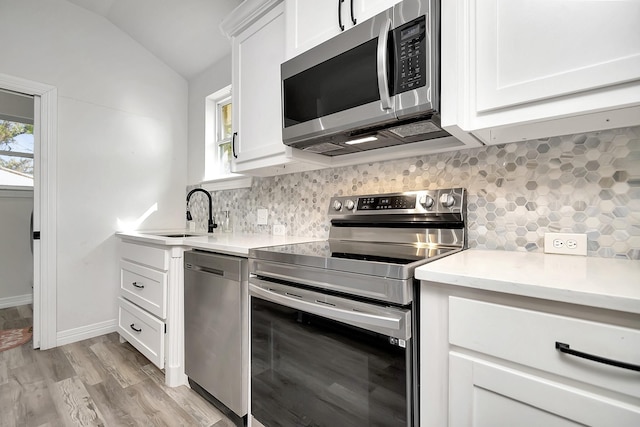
[(383, 72)]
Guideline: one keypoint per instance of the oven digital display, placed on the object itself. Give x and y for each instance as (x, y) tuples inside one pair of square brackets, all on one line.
[(386, 202)]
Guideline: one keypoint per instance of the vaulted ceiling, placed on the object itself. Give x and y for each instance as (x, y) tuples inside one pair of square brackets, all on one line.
[(185, 34)]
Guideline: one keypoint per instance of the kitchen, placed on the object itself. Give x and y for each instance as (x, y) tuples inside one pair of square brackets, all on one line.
[(156, 142)]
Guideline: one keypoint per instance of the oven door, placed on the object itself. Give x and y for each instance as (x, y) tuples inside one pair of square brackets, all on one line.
[(322, 360)]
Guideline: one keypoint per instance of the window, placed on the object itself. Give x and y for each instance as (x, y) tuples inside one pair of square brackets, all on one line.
[(218, 134), (218, 137), (16, 154)]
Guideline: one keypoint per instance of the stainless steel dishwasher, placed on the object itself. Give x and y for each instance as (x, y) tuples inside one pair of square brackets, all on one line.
[(216, 330)]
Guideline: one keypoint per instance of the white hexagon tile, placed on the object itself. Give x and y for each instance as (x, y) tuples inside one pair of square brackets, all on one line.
[(585, 183)]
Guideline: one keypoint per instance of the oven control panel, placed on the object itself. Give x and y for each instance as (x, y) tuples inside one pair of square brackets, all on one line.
[(393, 202), (412, 202)]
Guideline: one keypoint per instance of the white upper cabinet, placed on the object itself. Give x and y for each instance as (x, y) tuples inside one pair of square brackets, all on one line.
[(257, 31), (521, 69), (311, 23)]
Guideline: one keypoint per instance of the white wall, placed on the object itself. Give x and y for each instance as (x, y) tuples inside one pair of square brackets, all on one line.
[(209, 81), (122, 131), (16, 260)]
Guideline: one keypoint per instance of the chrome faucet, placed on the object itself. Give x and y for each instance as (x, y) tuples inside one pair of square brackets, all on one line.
[(211, 224)]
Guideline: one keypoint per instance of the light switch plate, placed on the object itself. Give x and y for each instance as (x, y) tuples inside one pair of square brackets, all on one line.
[(263, 216)]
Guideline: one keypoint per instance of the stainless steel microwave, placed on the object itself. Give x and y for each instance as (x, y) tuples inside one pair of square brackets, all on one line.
[(374, 85)]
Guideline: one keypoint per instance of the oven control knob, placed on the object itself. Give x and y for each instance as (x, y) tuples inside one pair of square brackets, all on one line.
[(447, 200), (349, 204), (426, 201), (337, 205)]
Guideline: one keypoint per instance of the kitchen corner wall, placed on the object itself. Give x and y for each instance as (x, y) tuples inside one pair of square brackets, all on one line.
[(584, 183)]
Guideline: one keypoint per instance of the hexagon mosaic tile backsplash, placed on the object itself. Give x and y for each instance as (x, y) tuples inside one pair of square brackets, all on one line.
[(585, 183)]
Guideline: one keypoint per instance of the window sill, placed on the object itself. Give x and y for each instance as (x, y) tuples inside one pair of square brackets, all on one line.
[(227, 182)]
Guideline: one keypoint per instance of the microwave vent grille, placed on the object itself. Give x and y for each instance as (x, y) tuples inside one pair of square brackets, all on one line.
[(323, 148), (413, 129)]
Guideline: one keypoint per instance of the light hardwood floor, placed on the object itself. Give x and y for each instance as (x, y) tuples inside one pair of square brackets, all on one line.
[(96, 382)]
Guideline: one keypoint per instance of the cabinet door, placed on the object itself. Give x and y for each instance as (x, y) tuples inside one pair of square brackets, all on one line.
[(257, 54), (521, 69), (483, 394), (533, 50), (365, 9), (311, 23)]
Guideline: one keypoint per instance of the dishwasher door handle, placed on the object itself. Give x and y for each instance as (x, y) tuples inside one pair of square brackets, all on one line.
[(204, 269)]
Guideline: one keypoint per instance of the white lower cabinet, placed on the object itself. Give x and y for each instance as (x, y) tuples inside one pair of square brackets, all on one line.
[(150, 307), (145, 287), (490, 395), (489, 359), (144, 331)]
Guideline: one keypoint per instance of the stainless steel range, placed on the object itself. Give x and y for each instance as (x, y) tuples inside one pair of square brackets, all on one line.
[(334, 323)]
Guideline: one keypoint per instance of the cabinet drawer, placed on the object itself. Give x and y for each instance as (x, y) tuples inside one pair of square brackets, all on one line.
[(142, 330), (148, 255), (486, 394), (145, 287), (529, 338)]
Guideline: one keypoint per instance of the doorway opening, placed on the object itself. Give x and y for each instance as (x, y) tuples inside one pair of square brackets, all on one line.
[(16, 200), (42, 235)]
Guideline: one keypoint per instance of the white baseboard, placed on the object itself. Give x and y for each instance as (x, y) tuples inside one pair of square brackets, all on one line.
[(16, 301), (85, 332)]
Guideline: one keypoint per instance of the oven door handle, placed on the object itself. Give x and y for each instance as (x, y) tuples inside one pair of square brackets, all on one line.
[(396, 325)]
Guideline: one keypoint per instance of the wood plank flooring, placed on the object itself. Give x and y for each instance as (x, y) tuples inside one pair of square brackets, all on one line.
[(96, 382)]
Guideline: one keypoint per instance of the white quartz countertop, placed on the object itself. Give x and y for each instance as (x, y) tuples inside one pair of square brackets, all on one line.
[(596, 282), (228, 243)]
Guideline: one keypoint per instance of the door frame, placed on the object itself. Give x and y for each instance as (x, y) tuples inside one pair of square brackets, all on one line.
[(44, 206)]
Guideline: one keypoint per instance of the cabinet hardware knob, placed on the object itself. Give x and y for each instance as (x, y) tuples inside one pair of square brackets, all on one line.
[(137, 285), (565, 348), (132, 326)]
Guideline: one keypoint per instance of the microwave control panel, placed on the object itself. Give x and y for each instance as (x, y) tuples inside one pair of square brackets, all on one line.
[(411, 55)]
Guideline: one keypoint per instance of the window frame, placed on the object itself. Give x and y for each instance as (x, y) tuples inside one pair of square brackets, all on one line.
[(214, 133), (214, 177)]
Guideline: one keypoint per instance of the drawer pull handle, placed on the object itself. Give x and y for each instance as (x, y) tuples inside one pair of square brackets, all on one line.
[(565, 348), (132, 326), (137, 286)]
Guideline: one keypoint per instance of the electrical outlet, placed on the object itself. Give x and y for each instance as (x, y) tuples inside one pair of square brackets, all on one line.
[(565, 243), (279, 229), (263, 216)]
